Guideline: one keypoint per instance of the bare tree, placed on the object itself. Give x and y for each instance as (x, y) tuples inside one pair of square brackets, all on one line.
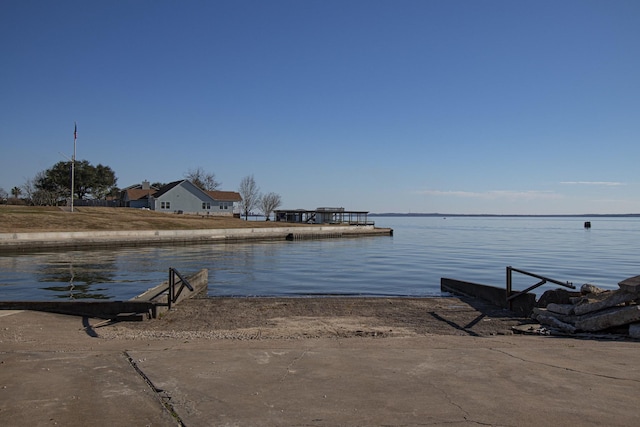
[(40, 196), (201, 178), (3, 195), (250, 193), (45, 198), (29, 188), (268, 203)]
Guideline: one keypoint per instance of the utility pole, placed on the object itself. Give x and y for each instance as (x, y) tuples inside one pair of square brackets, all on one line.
[(73, 161)]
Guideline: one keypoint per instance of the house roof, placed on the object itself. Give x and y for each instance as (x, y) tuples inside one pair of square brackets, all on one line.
[(143, 186), (138, 193), (226, 196), (167, 187)]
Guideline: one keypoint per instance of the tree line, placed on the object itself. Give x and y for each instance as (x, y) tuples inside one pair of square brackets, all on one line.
[(52, 187)]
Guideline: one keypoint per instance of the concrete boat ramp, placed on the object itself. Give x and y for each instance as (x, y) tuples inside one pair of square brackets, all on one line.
[(67, 371)]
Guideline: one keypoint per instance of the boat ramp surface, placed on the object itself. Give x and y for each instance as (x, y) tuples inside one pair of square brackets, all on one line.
[(66, 370)]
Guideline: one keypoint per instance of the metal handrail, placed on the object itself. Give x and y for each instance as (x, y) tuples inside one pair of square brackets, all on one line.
[(513, 295), (173, 295)]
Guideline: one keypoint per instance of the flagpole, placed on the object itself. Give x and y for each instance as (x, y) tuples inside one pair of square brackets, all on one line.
[(73, 161)]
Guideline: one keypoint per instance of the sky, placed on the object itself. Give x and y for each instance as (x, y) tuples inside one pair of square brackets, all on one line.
[(447, 106)]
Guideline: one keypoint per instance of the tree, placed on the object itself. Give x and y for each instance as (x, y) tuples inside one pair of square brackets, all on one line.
[(45, 198), (95, 181), (16, 192), (45, 190), (250, 194), (268, 203), (104, 182), (114, 192), (204, 180), (3, 195), (29, 187)]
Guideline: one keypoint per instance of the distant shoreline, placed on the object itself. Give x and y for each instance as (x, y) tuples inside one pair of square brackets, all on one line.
[(392, 214)]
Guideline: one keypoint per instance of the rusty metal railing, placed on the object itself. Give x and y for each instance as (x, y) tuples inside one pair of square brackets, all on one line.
[(511, 295), (180, 284)]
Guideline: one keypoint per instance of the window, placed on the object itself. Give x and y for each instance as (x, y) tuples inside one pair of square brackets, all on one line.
[(206, 205), (165, 205)]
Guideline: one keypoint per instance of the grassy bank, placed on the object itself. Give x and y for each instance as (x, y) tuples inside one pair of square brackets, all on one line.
[(24, 219)]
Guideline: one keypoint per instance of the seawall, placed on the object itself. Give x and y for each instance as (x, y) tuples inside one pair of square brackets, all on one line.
[(79, 239)]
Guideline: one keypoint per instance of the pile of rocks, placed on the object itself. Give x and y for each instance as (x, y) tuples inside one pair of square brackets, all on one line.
[(594, 310)]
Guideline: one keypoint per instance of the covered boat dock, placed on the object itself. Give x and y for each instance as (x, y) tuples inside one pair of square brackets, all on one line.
[(324, 216)]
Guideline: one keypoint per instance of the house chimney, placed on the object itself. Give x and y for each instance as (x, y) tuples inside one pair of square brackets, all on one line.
[(146, 185)]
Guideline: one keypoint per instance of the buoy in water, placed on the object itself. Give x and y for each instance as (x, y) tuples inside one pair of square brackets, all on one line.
[(587, 224)]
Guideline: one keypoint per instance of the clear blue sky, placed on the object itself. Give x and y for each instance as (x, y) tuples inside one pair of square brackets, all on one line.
[(501, 107)]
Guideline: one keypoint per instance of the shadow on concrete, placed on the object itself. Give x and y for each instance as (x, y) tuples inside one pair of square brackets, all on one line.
[(88, 328), (456, 326)]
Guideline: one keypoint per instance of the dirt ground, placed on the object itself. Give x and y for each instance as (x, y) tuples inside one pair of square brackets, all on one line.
[(326, 317)]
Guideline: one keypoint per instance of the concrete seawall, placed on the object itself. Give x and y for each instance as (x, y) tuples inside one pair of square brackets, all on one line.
[(77, 239)]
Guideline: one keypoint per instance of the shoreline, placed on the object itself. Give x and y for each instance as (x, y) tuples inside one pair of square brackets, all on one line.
[(80, 239), (324, 317)]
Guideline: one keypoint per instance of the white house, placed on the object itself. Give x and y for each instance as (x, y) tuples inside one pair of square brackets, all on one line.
[(185, 197), (181, 197)]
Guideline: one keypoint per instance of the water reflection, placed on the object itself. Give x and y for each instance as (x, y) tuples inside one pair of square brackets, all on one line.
[(86, 274), (73, 292), (81, 281)]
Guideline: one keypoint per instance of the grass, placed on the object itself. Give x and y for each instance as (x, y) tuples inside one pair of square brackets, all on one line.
[(24, 219)]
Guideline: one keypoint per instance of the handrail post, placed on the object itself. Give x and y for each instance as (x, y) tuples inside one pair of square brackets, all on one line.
[(173, 294), (509, 284), (172, 281)]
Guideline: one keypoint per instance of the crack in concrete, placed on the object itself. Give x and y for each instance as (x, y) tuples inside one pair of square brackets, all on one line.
[(162, 395), (290, 365), (578, 371)]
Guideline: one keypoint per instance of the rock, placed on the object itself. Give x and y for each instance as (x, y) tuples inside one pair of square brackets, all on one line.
[(557, 296), (591, 298), (632, 284), (566, 309), (590, 289), (561, 317), (571, 320), (611, 300), (608, 318), (530, 329), (555, 323), (634, 330)]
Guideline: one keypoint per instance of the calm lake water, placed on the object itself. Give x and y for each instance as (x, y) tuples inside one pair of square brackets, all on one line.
[(410, 263)]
